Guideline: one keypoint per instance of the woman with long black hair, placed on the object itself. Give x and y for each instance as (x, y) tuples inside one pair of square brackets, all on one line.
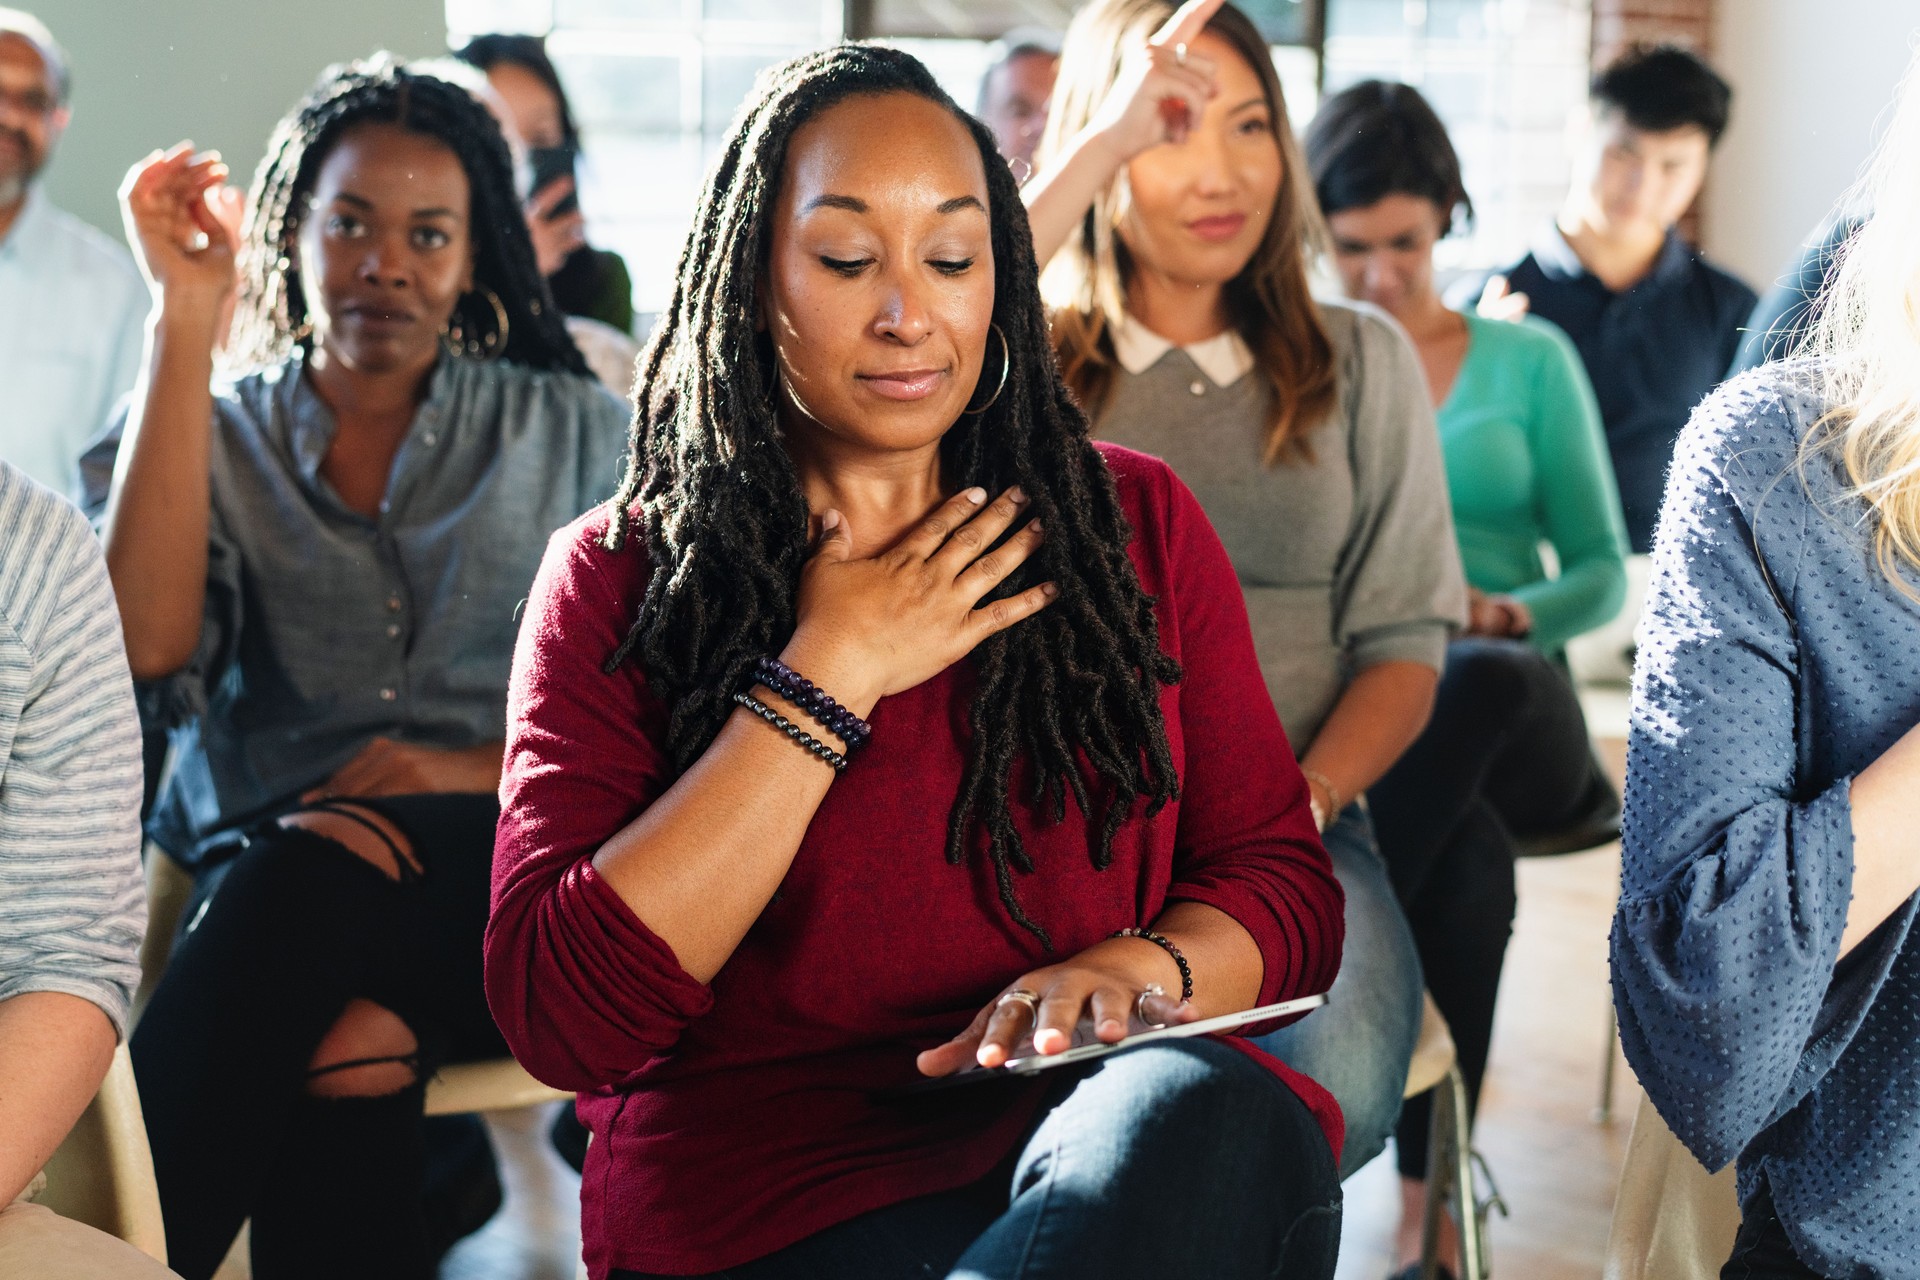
[(882, 723), (317, 556)]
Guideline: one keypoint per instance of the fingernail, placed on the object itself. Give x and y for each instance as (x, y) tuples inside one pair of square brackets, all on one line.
[(1037, 527), (1048, 590), (976, 495), (1017, 494), (829, 522)]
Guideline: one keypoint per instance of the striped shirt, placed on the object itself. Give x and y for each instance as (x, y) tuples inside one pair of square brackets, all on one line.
[(72, 905)]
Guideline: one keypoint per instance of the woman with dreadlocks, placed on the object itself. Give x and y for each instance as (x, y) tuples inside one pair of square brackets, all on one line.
[(317, 556), (883, 723), (1173, 194)]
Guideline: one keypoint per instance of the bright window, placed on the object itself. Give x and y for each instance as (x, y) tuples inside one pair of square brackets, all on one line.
[(653, 84), (1505, 75)]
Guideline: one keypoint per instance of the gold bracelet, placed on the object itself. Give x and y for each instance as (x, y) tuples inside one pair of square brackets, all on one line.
[(1333, 793)]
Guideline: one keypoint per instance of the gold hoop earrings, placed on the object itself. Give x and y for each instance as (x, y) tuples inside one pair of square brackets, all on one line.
[(459, 341), (1006, 362)]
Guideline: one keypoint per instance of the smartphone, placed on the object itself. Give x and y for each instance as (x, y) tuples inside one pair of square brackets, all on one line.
[(549, 165)]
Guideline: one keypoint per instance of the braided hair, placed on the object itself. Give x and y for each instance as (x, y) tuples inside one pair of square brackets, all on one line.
[(1072, 694), (271, 314)]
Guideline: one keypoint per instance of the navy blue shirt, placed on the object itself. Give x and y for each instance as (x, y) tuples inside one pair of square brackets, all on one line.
[(1776, 661), (1785, 316), (1652, 352)]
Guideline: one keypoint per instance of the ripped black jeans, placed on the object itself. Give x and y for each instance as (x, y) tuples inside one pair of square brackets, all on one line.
[(275, 942)]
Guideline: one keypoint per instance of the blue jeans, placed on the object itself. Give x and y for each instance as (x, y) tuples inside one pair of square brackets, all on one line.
[(1359, 1045), (1183, 1158)]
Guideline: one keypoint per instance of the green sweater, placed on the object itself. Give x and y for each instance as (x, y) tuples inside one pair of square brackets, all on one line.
[(1527, 463)]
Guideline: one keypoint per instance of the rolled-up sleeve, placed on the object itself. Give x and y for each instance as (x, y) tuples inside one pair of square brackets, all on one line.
[(584, 993), (1399, 591), (1246, 842), (1737, 872)]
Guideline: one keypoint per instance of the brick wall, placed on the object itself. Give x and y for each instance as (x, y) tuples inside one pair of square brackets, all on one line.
[(1619, 23)]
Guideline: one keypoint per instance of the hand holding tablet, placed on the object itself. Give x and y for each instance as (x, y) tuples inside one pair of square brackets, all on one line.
[(1025, 1062)]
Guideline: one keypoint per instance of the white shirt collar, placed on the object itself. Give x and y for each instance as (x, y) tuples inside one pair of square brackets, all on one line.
[(1224, 358)]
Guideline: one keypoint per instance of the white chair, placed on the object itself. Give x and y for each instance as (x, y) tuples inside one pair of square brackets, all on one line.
[(1454, 1169), (102, 1174), (499, 1085), (1672, 1220)]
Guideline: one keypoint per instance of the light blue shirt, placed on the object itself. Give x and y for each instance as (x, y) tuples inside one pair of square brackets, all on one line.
[(72, 313)]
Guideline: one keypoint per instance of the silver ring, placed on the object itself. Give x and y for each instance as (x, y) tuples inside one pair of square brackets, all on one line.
[(1180, 54), (1140, 1004), (1021, 996)]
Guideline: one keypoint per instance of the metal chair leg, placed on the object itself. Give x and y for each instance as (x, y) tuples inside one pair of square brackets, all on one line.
[(1474, 1264), (1603, 1113), (1451, 1181), (1441, 1169)]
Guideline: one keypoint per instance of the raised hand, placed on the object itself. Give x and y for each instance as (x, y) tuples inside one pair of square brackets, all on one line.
[(880, 625), (183, 222), (1163, 86), (1498, 301)]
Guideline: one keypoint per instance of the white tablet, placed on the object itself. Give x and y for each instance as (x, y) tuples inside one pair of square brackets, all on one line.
[(1085, 1048)]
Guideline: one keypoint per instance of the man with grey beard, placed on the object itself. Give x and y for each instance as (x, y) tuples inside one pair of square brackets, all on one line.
[(72, 304)]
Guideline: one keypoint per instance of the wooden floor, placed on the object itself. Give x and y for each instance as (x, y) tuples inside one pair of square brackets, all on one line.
[(1555, 1167), (536, 1235)]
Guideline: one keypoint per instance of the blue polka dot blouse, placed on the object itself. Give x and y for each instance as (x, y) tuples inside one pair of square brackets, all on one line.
[(1776, 661)]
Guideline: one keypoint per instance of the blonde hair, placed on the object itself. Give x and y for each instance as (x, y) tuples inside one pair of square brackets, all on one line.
[(1867, 339), (1269, 301)]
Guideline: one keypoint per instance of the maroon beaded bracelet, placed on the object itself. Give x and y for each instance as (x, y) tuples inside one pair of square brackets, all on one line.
[(813, 700)]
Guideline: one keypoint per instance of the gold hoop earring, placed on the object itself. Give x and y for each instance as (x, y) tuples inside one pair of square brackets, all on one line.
[(1006, 362), (459, 342)]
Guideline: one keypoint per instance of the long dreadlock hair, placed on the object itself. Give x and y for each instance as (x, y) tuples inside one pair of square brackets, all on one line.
[(271, 314), (1073, 691)]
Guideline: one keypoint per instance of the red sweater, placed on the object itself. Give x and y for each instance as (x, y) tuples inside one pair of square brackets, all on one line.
[(735, 1118)]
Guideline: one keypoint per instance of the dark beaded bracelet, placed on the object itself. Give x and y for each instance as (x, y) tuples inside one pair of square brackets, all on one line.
[(792, 730), (813, 700), (1166, 945)]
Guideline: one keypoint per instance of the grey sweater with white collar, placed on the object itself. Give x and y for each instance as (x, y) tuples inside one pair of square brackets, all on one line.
[(1346, 560)]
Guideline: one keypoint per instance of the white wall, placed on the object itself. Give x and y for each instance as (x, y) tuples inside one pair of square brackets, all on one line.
[(148, 73), (1811, 80)]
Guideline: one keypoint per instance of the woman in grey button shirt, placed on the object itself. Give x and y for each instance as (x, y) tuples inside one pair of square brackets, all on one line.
[(1173, 193), (318, 561)]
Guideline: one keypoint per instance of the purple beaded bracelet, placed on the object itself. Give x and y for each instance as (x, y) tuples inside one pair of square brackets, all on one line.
[(813, 700)]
